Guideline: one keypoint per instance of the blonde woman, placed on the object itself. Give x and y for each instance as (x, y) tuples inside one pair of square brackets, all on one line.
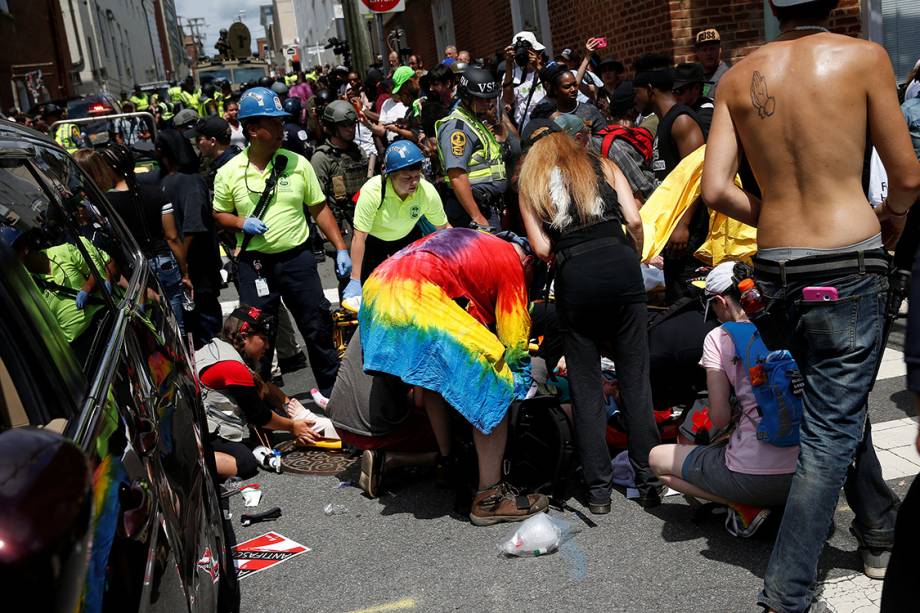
[(574, 206)]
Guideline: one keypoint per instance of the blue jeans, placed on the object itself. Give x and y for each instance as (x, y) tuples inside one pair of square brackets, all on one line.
[(167, 272), (836, 345)]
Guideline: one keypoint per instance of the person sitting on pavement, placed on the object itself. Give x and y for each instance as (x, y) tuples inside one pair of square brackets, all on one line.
[(235, 397), (747, 475), (393, 211), (377, 414), (427, 318)]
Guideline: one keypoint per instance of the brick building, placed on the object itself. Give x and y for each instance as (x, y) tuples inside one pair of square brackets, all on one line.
[(34, 62), (634, 27)]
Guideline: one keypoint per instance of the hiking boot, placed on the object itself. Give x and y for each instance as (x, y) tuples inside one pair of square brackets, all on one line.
[(502, 503), (292, 363), (372, 461), (875, 560), (744, 520)]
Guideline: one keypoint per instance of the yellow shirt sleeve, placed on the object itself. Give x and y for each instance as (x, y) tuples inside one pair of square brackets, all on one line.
[(368, 203), (434, 207), (312, 191)]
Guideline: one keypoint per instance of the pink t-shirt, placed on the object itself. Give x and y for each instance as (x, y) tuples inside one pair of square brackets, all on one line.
[(745, 454)]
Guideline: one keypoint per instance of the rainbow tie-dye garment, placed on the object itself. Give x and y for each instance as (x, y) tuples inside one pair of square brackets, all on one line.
[(427, 317)]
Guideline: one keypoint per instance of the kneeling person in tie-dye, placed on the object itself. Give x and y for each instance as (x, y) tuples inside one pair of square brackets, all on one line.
[(448, 314)]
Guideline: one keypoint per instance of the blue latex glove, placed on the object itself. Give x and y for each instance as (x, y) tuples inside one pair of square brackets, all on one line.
[(82, 297), (108, 286), (253, 225), (342, 263), (352, 289)]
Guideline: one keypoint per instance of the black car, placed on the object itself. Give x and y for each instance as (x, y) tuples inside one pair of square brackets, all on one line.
[(107, 500)]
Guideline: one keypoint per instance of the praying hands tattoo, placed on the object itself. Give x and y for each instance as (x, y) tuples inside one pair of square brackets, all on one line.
[(761, 99)]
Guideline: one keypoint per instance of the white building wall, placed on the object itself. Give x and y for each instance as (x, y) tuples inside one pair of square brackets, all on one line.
[(315, 26), (119, 43)]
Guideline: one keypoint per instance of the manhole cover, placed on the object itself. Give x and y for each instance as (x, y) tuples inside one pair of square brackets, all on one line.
[(313, 461)]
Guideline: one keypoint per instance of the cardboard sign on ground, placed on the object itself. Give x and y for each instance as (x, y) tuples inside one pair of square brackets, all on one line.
[(265, 551)]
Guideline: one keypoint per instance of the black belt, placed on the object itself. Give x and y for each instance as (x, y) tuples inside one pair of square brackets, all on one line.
[(830, 266), (594, 244)]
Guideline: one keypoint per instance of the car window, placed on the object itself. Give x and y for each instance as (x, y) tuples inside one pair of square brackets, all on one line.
[(65, 247)]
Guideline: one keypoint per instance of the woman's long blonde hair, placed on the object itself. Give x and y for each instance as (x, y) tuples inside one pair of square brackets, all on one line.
[(555, 170)]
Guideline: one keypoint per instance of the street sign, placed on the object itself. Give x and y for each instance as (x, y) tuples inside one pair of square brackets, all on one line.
[(372, 7), (291, 51)]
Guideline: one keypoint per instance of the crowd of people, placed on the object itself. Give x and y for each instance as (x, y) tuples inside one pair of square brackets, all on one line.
[(486, 203)]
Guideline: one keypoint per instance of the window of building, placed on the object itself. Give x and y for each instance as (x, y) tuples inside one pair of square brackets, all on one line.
[(901, 33), (533, 16), (442, 17)]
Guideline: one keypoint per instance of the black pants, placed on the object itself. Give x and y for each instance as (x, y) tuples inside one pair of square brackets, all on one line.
[(679, 270), (246, 465), (619, 331), (900, 592), (376, 251), (292, 275), (457, 215)]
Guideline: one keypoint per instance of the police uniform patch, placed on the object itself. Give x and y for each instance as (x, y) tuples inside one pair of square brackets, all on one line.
[(415, 211), (457, 142)]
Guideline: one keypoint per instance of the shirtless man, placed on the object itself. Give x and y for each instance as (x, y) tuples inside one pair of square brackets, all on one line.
[(795, 110)]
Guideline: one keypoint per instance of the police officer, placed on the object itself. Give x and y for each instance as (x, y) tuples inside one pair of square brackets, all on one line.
[(174, 92), (296, 138), (281, 89), (190, 97), (340, 165), (207, 102), (139, 99), (470, 155), (67, 135), (277, 262)]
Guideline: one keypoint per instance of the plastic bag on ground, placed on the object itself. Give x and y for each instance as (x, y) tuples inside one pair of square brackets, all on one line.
[(538, 536)]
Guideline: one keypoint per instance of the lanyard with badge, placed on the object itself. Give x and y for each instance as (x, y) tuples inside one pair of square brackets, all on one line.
[(279, 163)]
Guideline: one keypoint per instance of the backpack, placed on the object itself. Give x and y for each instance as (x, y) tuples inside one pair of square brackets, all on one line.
[(777, 384), (541, 447), (640, 139)]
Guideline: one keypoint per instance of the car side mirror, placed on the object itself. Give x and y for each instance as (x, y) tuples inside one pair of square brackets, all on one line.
[(46, 523)]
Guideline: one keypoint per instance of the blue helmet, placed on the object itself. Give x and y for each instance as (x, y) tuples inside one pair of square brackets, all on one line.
[(260, 102), (10, 235), (401, 154)]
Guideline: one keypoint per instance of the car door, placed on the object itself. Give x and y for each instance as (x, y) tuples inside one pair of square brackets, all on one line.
[(154, 378)]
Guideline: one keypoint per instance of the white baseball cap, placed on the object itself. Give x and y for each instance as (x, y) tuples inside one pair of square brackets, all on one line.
[(530, 38), (718, 281)]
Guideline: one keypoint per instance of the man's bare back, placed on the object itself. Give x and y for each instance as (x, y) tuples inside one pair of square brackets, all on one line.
[(801, 107)]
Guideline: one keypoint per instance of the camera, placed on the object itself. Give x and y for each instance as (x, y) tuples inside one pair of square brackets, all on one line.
[(522, 52)]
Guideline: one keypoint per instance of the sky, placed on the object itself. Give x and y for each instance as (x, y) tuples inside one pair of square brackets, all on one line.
[(220, 14)]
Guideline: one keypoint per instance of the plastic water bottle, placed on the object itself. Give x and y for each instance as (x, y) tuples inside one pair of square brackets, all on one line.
[(751, 299), (268, 458), (187, 302)]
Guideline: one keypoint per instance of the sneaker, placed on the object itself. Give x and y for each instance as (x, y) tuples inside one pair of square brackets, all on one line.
[(744, 520), (503, 503), (875, 561), (292, 363), (371, 471)]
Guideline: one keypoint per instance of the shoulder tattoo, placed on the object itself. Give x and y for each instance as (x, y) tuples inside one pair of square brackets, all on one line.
[(762, 100)]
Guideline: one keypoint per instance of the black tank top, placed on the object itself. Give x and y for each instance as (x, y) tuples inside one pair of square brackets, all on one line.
[(608, 274), (667, 155)]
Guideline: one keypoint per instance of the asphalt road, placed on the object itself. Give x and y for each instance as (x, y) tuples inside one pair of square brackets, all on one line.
[(409, 551)]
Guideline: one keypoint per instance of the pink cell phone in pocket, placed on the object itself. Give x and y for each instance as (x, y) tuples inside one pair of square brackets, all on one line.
[(820, 294)]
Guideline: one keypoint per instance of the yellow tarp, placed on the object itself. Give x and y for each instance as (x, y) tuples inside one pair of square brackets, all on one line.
[(728, 239)]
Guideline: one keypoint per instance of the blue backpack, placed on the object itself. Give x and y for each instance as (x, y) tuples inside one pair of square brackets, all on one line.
[(777, 385)]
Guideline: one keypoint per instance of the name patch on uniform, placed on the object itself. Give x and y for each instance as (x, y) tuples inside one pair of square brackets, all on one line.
[(457, 142), (415, 211), (283, 184)]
